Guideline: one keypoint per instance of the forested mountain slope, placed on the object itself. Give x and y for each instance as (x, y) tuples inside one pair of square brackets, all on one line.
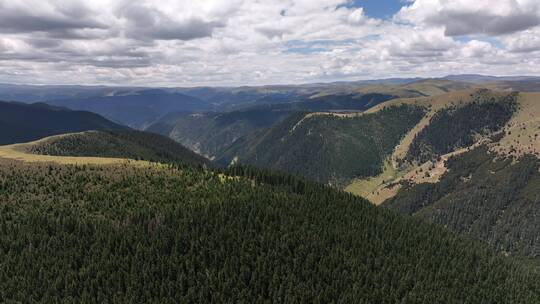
[(482, 195), (336, 148), (211, 133), (126, 144), (168, 235), (460, 126), (242, 111), (327, 147), (490, 190), (26, 122)]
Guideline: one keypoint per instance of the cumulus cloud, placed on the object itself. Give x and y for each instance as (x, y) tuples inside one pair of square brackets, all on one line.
[(404, 43), (33, 16), (525, 42), (143, 21), (59, 19), (465, 17), (459, 23), (236, 42), (477, 49)]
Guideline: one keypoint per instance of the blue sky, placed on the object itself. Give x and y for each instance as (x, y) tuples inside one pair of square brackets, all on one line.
[(381, 9)]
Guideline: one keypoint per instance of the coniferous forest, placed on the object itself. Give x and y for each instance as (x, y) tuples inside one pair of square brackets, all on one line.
[(119, 144), (486, 197), (177, 234), (456, 127), (327, 148)]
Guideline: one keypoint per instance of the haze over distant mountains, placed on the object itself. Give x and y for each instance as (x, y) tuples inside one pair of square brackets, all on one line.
[(140, 107), (35, 93)]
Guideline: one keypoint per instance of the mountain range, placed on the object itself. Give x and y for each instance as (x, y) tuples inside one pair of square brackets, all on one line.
[(384, 191)]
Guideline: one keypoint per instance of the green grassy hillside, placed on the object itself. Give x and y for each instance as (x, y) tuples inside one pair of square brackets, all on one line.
[(27, 122), (165, 235), (119, 144), (329, 148)]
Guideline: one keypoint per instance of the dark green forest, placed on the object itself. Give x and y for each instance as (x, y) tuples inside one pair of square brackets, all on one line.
[(120, 144), (457, 126), (488, 198), (325, 148), (125, 234)]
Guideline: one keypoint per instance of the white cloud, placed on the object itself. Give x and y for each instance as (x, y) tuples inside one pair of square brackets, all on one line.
[(525, 42), (235, 42), (477, 49), (465, 17)]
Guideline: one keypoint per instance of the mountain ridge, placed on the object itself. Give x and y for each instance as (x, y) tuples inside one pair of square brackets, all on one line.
[(22, 122)]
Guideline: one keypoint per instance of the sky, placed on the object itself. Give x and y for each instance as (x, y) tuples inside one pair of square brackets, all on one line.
[(256, 42)]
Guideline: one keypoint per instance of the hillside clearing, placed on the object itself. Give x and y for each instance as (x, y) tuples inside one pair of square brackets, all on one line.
[(366, 187)]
